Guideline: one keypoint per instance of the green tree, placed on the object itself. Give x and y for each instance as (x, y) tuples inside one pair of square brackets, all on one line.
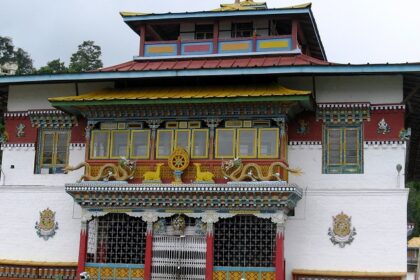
[(53, 67), (9, 54), (24, 62), (7, 50), (86, 58)]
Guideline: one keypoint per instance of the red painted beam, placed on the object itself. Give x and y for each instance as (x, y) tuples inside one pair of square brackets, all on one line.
[(142, 39), (82, 250), (209, 256), (294, 34), (148, 256), (216, 37), (280, 256)]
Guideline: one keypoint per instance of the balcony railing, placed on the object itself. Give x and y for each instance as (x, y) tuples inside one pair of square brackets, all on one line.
[(218, 46)]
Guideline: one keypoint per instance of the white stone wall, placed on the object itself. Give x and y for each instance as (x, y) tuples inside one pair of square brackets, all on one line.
[(30, 97), (379, 168), (379, 216), (23, 161), (20, 207)]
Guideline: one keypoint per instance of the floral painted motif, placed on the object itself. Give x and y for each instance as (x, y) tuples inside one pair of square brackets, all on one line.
[(47, 225), (303, 127), (342, 232), (20, 130), (383, 127)]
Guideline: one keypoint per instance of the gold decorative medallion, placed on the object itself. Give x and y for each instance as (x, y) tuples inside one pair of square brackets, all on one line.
[(47, 225), (342, 232), (178, 224), (179, 159)]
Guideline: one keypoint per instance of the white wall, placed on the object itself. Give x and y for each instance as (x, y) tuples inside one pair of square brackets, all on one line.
[(373, 89), (23, 159), (30, 97), (379, 217), (20, 207), (379, 168)]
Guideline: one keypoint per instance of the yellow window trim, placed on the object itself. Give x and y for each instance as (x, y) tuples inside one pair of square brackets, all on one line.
[(132, 143), (238, 140), (217, 155), (54, 147), (189, 138), (94, 132), (158, 141), (207, 143), (260, 131), (120, 131)]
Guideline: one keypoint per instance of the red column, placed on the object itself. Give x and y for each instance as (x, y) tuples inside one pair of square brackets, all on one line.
[(280, 269), (209, 252), (82, 249), (148, 255)]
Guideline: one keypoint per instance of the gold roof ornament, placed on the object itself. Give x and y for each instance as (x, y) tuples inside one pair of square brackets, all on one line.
[(242, 5)]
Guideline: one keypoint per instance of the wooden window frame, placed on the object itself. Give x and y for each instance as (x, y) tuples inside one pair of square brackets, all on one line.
[(238, 140), (53, 165), (277, 130), (111, 146), (158, 140), (193, 140), (132, 142), (175, 144), (216, 154), (94, 132), (343, 167)]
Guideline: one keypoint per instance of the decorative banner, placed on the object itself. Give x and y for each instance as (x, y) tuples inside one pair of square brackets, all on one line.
[(47, 225), (342, 232)]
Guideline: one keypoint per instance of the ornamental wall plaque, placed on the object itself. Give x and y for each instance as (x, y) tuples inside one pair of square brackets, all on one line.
[(47, 225), (383, 127), (342, 232)]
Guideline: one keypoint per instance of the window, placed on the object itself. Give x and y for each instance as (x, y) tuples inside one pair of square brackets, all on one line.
[(140, 142), (119, 143), (342, 149), (194, 141), (53, 151), (242, 29), (99, 144), (247, 143), (204, 31)]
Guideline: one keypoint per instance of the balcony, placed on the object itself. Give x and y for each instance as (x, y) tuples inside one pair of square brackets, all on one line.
[(218, 46)]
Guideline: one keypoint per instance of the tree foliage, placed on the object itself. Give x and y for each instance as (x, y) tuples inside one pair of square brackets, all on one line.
[(53, 67), (86, 58), (413, 211), (12, 55)]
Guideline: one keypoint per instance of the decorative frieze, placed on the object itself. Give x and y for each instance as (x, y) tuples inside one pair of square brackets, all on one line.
[(343, 112), (16, 114), (51, 119), (387, 107), (31, 270)]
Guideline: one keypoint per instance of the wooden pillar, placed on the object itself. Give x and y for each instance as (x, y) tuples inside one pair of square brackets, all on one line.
[(216, 37), (153, 124), (82, 248), (280, 220), (209, 252), (149, 218), (142, 39), (294, 34), (88, 131), (212, 124)]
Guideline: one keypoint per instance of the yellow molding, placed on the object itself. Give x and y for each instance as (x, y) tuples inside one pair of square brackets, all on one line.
[(36, 263), (347, 273)]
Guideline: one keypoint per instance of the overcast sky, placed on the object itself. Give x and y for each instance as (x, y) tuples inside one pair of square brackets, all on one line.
[(356, 31)]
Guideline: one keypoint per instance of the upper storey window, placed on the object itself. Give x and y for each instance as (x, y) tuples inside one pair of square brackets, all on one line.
[(342, 149), (242, 29), (203, 31), (53, 151)]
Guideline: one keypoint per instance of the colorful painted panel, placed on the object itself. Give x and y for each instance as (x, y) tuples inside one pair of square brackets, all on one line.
[(197, 48), (272, 45), (105, 271), (238, 273), (243, 46), (160, 49)]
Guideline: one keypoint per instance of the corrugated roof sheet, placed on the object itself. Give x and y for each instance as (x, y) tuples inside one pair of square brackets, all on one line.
[(154, 93), (215, 63)]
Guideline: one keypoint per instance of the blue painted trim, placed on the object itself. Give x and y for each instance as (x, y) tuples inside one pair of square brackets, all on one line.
[(114, 265), (210, 14), (364, 69), (232, 268)]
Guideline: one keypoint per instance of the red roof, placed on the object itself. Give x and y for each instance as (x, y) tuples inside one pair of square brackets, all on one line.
[(214, 63)]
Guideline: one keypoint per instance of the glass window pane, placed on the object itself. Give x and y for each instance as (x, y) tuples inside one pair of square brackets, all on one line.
[(100, 144), (47, 148), (119, 144), (183, 139), (62, 148), (334, 146), (247, 142), (164, 144), (200, 146), (140, 144), (351, 136), (225, 143), (268, 146)]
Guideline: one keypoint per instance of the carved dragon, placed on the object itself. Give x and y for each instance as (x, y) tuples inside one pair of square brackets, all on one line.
[(236, 171), (122, 171)]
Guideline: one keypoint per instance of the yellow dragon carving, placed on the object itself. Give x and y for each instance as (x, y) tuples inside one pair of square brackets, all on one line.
[(236, 171), (122, 171)]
